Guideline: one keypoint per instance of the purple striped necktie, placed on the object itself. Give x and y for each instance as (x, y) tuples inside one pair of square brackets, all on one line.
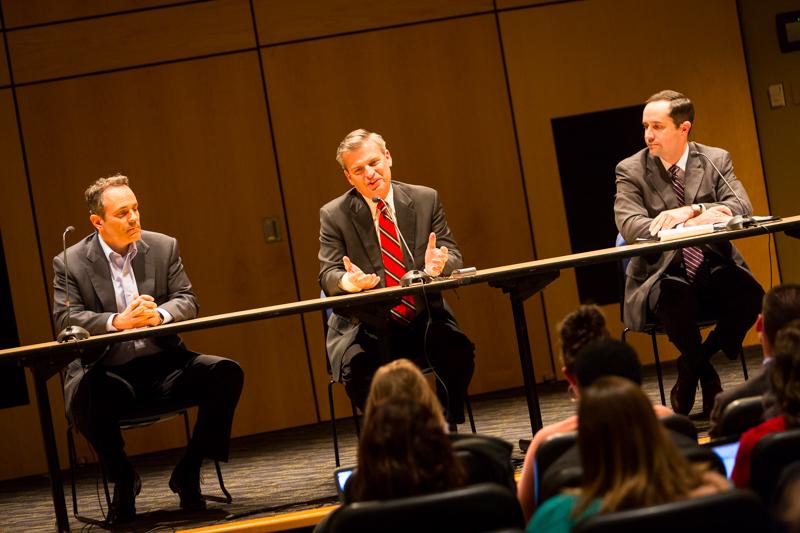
[(393, 265), (692, 256)]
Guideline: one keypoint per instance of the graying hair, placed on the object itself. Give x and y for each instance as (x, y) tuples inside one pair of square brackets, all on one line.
[(94, 194), (354, 140)]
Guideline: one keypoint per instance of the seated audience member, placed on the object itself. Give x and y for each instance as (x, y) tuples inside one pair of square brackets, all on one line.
[(628, 460), (781, 305), (784, 374), (575, 331), (404, 449)]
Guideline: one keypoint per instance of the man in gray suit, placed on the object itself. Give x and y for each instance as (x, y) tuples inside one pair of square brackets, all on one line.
[(365, 238), (781, 306), (673, 183), (121, 278)]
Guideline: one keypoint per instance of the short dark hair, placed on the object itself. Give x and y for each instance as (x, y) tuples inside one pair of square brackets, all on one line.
[(579, 328), (94, 193), (680, 107), (780, 306), (607, 357)]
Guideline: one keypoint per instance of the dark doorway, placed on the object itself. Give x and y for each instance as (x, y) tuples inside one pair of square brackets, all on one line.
[(13, 388), (588, 148)]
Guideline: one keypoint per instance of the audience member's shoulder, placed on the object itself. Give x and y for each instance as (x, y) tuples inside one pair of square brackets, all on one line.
[(564, 426), (662, 410), (712, 483)]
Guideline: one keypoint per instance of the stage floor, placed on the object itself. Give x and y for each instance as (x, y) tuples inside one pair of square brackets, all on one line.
[(290, 470)]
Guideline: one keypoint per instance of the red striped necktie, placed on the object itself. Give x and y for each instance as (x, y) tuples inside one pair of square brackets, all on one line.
[(393, 265), (692, 256)]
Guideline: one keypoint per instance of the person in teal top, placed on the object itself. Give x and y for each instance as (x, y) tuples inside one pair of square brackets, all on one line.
[(628, 460), (555, 515)]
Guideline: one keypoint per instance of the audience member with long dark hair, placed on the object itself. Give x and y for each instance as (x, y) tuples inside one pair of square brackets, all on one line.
[(785, 382), (628, 460), (404, 449), (583, 326)]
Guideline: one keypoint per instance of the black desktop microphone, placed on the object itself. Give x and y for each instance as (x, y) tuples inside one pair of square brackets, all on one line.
[(412, 276), (69, 333), (738, 221)]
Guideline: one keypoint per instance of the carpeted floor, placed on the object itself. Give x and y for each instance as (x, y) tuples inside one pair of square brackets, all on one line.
[(291, 469)]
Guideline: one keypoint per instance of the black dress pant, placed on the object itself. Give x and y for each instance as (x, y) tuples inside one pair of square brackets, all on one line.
[(448, 351), (107, 394), (722, 292)]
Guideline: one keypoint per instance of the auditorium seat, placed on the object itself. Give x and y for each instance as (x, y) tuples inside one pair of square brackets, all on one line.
[(740, 415), (771, 455)]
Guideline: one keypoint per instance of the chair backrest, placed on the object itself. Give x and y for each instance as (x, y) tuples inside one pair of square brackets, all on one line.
[(623, 268), (486, 459), (679, 424), (476, 508), (547, 453), (740, 415), (733, 510), (770, 456)]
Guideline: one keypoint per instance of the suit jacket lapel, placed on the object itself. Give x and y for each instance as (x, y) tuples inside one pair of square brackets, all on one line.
[(365, 227), (659, 179), (100, 274), (693, 177), (407, 222), (143, 269)]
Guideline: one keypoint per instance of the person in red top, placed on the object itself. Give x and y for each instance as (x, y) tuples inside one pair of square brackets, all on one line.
[(785, 382)]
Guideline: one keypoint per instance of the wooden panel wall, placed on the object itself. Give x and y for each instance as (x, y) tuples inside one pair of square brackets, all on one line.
[(175, 97), (290, 21), (4, 79), (138, 38), (607, 59)]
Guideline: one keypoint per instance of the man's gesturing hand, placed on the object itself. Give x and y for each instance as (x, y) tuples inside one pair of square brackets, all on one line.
[(357, 277), (435, 258)]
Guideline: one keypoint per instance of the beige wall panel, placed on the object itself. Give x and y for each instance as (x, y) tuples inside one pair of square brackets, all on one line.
[(777, 127), (415, 87), (138, 38), (288, 21), (4, 78), (22, 447), (25, 12), (194, 138), (580, 57)]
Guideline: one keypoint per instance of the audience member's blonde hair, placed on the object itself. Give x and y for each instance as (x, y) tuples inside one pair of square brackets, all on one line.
[(628, 460), (402, 379)]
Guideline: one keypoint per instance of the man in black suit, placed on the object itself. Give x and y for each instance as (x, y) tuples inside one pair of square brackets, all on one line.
[(365, 238), (672, 183), (781, 306), (121, 278)]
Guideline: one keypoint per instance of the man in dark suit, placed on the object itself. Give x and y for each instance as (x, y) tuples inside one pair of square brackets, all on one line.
[(361, 248), (123, 278), (781, 306), (671, 183)]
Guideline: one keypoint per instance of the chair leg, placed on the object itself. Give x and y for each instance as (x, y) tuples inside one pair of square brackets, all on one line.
[(333, 424), (468, 405), (228, 497), (658, 367), (185, 414), (355, 419), (73, 458), (625, 334), (744, 363)]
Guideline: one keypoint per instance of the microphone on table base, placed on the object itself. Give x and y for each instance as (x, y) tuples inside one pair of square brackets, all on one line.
[(412, 277), (69, 333), (737, 221)]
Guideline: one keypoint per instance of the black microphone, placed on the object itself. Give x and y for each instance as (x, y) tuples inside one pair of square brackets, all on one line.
[(69, 333), (412, 276), (738, 221)]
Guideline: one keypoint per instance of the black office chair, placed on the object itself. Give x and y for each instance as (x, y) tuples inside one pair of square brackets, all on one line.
[(142, 416), (326, 313), (740, 415), (486, 459), (547, 453), (733, 510), (679, 424), (771, 455), (654, 328), (473, 509)]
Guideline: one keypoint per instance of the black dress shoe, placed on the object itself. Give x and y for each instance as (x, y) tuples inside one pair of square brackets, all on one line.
[(185, 481), (681, 397), (123, 505), (711, 386)]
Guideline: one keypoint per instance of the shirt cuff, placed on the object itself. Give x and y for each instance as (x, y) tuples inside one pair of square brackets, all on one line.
[(166, 318), (109, 323), (346, 285)]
